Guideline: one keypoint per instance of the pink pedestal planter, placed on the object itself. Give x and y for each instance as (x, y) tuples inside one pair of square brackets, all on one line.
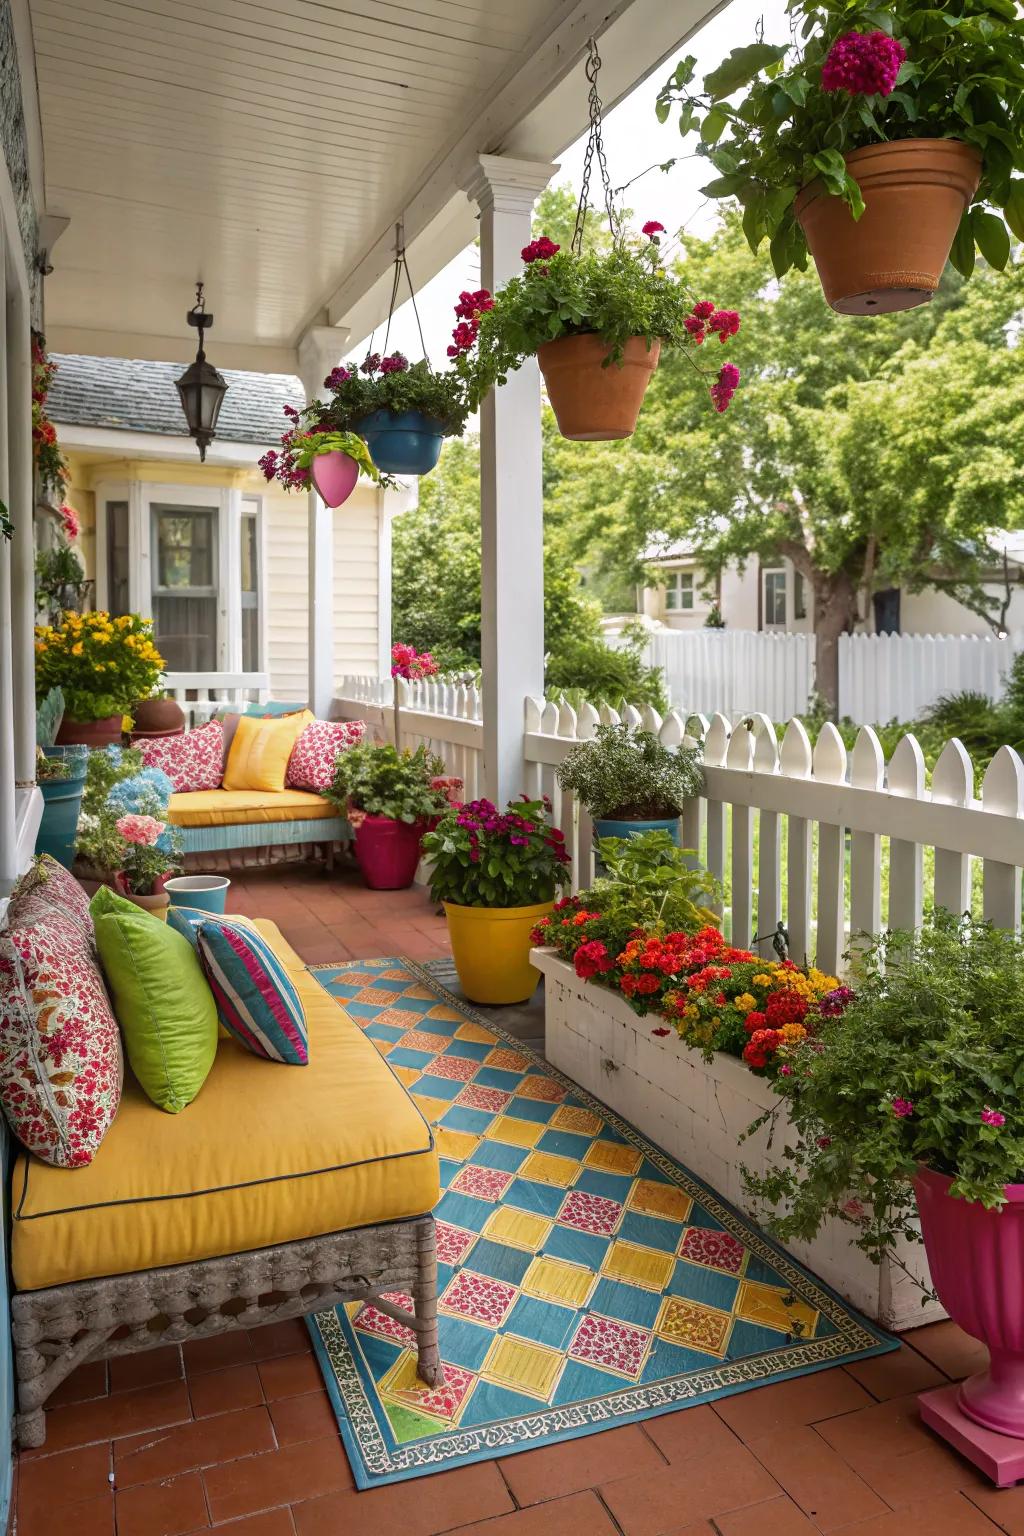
[(334, 475), (388, 852), (976, 1259)]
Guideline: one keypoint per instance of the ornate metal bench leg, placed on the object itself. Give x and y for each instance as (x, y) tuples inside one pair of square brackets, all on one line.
[(429, 1365)]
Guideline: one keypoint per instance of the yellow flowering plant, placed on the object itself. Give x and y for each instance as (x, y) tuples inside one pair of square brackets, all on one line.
[(103, 665)]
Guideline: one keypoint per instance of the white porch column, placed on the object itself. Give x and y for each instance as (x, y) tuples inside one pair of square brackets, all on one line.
[(23, 550), (320, 349), (9, 869), (511, 490)]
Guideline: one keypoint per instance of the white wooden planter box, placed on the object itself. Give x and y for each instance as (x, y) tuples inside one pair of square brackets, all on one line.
[(698, 1111)]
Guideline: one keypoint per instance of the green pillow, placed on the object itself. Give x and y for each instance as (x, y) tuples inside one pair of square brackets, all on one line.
[(161, 998)]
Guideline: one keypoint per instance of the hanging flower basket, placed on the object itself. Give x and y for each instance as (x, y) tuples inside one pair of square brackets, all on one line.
[(883, 150), (334, 475), (915, 192), (314, 454), (402, 442)]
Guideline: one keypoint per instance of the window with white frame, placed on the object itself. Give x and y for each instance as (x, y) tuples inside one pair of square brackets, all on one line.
[(251, 573), (774, 580), (185, 586), (679, 592)]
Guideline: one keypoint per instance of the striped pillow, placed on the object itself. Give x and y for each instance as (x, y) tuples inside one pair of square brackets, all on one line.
[(256, 1001)]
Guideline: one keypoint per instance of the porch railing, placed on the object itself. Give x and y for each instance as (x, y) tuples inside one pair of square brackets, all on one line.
[(202, 694), (445, 717), (832, 843)]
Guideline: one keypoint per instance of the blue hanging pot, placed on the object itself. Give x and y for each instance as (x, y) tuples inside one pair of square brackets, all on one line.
[(402, 443)]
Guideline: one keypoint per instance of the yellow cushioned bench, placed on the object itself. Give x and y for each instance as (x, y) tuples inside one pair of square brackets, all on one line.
[(246, 807), (265, 1154)]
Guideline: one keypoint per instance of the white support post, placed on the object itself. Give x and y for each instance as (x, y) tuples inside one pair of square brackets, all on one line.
[(8, 825), (23, 550), (320, 349), (511, 490), (229, 658)]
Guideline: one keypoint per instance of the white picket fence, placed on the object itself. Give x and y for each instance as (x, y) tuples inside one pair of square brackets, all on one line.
[(824, 822), (202, 694), (881, 677), (447, 718)]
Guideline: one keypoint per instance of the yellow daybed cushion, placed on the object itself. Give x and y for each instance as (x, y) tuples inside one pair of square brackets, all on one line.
[(265, 1154), (241, 807)]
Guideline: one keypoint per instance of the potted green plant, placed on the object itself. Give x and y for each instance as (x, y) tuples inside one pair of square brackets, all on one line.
[(390, 799), (596, 324), (149, 855), (629, 782), (909, 1103), (102, 665), (403, 411), (880, 137), (316, 454), (60, 774), (497, 876)]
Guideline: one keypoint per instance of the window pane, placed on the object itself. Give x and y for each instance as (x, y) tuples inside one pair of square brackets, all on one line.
[(686, 589), (249, 567), (117, 557), (185, 631), (672, 592), (775, 597), (185, 549)]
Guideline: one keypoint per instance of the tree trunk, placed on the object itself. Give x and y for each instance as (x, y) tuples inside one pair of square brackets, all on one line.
[(834, 612)]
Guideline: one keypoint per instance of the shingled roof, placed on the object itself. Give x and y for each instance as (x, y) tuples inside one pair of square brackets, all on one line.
[(133, 395)]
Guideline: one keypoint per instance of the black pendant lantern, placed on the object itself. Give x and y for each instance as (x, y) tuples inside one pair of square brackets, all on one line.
[(201, 388)]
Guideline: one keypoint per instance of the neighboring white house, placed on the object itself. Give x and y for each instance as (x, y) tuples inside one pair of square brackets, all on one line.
[(771, 597), (216, 556)]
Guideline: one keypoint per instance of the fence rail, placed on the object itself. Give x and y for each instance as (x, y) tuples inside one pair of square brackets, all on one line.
[(832, 843), (202, 694)]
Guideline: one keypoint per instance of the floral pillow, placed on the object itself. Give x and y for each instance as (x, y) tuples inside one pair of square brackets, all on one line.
[(61, 1064), (311, 765), (49, 887), (192, 761)]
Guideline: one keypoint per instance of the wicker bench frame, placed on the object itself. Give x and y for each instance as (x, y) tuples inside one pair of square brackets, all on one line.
[(59, 1328)]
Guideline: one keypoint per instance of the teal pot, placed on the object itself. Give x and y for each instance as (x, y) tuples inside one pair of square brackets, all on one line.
[(402, 443), (606, 827), (62, 802), (207, 893)]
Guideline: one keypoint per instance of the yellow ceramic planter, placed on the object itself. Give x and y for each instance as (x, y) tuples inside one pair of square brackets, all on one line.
[(491, 950)]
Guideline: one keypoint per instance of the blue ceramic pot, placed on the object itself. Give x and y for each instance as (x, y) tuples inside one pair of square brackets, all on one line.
[(604, 827), (62, 802), (204, 893), (402, 443)]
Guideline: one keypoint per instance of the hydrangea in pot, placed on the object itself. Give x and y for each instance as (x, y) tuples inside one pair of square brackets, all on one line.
[(497, 875), (882, 137), (629, 782), (150, 854), (390, 799), (403, 411), (596, 324), (911, 1102)]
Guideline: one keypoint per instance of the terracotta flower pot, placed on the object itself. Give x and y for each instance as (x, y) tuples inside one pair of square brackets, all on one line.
[(915, 193), (89, 733), (155, 905), (594, 404), (976, 1259), (157, 717)]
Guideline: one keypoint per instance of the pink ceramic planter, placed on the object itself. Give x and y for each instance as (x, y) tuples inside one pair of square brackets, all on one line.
[(976, 1259), (388, 851), (334, 475)]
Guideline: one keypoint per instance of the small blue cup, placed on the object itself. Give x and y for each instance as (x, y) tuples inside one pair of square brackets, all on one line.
[(206, 892)]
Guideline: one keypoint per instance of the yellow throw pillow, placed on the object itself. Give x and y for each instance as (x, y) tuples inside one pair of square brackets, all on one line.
[(260, 751)]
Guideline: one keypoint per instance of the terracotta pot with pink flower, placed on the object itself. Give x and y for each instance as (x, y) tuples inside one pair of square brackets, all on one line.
[(150, 855), (881, 141)]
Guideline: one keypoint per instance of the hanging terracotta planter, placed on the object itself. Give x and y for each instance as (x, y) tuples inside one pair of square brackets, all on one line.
[(593, 403), (334, 475), (915, 193), (402, 442)]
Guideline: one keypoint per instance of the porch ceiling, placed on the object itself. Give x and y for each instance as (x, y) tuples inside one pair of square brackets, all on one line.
[(268, 146)]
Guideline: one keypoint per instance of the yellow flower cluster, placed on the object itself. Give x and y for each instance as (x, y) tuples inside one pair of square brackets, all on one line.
[(91, 655)]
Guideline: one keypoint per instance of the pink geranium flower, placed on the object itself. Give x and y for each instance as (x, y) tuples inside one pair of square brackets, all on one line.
[(652, 228), (992, 1117), (143, 830), (863, 64), (902, 1108), (69, 518)]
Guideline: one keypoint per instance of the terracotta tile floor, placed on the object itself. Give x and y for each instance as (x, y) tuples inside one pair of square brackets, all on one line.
[(237, 1434)]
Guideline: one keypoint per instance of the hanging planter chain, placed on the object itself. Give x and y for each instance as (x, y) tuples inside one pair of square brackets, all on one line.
[(401, 265), (595, 146)]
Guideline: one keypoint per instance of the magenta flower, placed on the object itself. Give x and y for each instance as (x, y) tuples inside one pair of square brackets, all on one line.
[(370, 363), (902, 1108), (396, 363), (726, 322), (863, 64), (336, 378), (652, 228), (661, 1031), (785, 1070), (823, 1142), (69, 519), (539, 250), (992, 1117), (723, 390)]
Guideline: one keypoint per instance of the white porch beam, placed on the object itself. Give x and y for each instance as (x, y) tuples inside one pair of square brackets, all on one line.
[(249, 357), (511, 490), (319, 350)]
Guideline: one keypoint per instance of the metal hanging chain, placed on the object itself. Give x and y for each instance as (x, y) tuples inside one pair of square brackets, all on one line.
[(401, 265), (595, 146)]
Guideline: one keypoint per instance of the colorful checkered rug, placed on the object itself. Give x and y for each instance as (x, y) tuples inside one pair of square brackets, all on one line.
[(586, 1279)]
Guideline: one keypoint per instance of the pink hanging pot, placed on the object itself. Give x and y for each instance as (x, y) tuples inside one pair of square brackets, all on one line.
[(334, 475)]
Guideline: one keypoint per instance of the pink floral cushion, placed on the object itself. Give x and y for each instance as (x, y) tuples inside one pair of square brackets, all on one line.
[(61, 1064), (194, 760), (311, 765), (48, 886)]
